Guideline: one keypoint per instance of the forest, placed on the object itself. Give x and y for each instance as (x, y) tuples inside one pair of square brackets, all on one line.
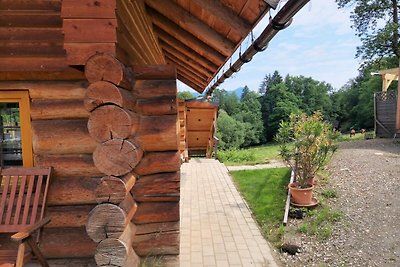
[(254, 117)]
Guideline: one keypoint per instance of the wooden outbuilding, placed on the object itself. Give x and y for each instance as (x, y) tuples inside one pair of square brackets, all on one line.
[(89, 87)]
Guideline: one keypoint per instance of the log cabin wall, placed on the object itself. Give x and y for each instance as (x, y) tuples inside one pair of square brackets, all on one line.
[(133, 117), (61, 139)]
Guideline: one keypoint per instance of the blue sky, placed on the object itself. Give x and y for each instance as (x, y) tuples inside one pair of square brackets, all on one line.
[(320, 44)]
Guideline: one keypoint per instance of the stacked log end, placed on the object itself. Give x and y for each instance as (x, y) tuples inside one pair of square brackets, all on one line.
[(157, 189), (113, 124), (136, 128)]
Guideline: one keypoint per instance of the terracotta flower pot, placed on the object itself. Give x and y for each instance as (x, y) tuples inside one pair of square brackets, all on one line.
[(302, 196)]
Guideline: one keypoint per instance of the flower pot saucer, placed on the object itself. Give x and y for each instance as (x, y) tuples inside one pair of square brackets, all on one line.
[(314, 202)]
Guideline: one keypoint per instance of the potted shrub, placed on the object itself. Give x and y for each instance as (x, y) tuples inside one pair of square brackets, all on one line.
[(305, 142)]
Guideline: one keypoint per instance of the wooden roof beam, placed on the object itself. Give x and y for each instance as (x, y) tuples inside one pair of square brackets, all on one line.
[(201, 80), (184, 37), (193, 25), (187, 51), (189, 83), (188, 66), (219, 10), (167, 48)]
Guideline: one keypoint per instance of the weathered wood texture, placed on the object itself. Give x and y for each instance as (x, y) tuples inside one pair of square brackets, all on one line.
[(158, 133), (157, 162), (164, 105), (58, 109), (61, 137), (76, 165), (149, 212), (117, 156), (161, 243), (115, 252), (105, 67), (114, 189), (101, 93), (158, 187), (109, 220), (112, 122)]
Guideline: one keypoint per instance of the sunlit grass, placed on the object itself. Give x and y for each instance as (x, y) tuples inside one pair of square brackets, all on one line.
[(250, 156), (265, 191)]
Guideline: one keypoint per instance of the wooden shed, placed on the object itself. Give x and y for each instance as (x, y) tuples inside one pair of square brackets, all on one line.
[(89, 88)]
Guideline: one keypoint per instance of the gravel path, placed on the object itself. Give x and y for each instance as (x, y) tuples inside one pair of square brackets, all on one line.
[(366, 176)]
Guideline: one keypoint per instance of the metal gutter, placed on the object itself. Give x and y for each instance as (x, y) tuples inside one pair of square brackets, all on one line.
[(281, 20)]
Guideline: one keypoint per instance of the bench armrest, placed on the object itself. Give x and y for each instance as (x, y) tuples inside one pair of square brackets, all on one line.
[(27, 232)]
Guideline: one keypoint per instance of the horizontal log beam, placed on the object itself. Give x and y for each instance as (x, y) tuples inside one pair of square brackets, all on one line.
[(154, 72), (49, 89), (61, 137), (163, 105), (82, 30), (147, 89), (193, 25), (158, 133), (58, 109), (69, 165), (225, 14), (163, 243), (68, 216), (88, 9), (161, 23), (157, 187), (79, 53), (156, 212), (156, 162), (72, 191)]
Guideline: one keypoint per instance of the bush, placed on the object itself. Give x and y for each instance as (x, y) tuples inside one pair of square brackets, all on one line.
[(237, 156)]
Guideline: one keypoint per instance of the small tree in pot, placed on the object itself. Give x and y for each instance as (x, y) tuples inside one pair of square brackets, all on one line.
[(306, 142)]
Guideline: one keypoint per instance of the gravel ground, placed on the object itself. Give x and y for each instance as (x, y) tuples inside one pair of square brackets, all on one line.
[(366, 176)]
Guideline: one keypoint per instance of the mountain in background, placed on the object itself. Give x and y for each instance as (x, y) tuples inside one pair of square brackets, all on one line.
[(238, 92)]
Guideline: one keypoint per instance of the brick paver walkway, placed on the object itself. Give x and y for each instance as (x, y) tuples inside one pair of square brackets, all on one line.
[(217, 228)]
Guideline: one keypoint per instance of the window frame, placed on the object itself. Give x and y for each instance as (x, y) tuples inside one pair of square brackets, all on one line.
[(23, 100)]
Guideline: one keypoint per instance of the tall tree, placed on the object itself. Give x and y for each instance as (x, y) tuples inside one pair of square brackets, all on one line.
[(184, 95), (377, 24), (245, 91), (230, 131)]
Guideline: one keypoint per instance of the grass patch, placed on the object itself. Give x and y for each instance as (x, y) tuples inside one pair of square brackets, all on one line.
[(249, 156), (319, 222), (265, 191), (346, 137), (329, 193)]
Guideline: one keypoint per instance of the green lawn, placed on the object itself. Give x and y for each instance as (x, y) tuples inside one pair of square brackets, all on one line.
[(265, 190), (249, 156)]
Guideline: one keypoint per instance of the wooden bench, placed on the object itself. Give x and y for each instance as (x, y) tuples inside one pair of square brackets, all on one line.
[(22, 207)]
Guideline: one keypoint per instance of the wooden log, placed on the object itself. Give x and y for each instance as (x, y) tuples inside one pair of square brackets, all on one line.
[(115, 252), (68, 216), (112, 122), (162, 243), (156, 162), (154, 88), (79, 53), (82, 30), (114, 189), (163, 105), (108, 220), (60, 243), (154, 212), (154, 72), (104, 67), (88, 9), (58, 109), (69, 165), (72, 191), (61, 137), (151, 228), (50, 89), (158, 133), (157, 187), (117, 156), (102, 93)]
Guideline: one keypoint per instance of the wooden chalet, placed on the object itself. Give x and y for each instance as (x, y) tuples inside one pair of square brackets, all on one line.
[(88, 87)]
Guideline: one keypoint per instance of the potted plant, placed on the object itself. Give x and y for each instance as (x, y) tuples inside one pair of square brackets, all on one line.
[(305, 142)]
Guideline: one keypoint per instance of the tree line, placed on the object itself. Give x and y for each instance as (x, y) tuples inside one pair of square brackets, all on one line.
[(254, 118)]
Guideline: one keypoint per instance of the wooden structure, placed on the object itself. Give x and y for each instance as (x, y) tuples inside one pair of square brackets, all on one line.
[(387, 106), (197, 128), (22, 207), (96, 84)]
